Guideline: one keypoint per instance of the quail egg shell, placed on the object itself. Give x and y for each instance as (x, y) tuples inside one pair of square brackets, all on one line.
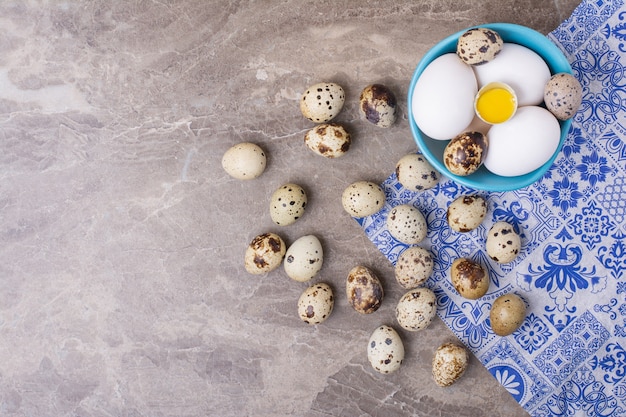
[(416, 309), (264, 253), (364, 290), (321, 102), (415, 173), (385, 350), (363, 198), (304, 258), (563, 95), (287, 204), (465, 153), (503, 243), (479, 45), (316, 303), (449, 364), (413, 267), (466, 213), (507, 314), (244, 161), (378, 105), (330, 140), (469, 278), (407, 224)]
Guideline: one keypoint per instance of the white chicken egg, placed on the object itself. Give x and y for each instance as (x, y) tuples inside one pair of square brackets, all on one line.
[(443, 97), (524, 143), (519, 67)]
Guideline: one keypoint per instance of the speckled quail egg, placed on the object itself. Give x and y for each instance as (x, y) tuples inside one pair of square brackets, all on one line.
[(378, 105), (304, 258), (316, 303), (265, 253), (416, 309), (449, 364), (479, 45), (407, 224), (287, 204), (469, 278), (363, 198), (330, 140), (563, 95), (364, 290), (321, 102), (415, 173), (466, 213), (465, 153), (508, 312), (503, 243), (385, 350), (244, 161), (413, 267)]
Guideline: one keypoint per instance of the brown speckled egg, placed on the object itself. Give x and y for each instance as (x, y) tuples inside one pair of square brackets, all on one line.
[(287, 204), (415, 173), (321, 102), (413, 267), (469, 278), (503, 243), (265, 253), (465, 153), (407, 224), (363, 198), (329, 140), (364, 290), (449, 364), (507, 314), (316, 303), (385, 350), (479, 45), (563, 95), (378, 105), (466, 213), (416, 309)]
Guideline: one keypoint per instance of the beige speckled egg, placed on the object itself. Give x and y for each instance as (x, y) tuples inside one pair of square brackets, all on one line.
[(378, 105), (304, 258), (466, 213), (469, 278), (316, 303), (385, 350), (407, 224), (465, 153), (503, 243), (479, 45), (329, 140), (364, 290), (244, 161), (416, 309), (287, 204), (449, 364), (265, 253), (563, 95), (413, 267), (508, 312), (363, 198), (415, 173), (321, 102)]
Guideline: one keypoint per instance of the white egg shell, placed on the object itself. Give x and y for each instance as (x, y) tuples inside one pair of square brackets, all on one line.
[(519, 67), (523, 143), (264, 253), (413, 267), (503, 243), (321, 102), (244, 161), (443, 97), (416, 309), (466, 213), (385, 350), (329, 140), (407, 224), (304, 258), (287, 204), (316, 303), (415, 173), (363, 198), (449, 364)]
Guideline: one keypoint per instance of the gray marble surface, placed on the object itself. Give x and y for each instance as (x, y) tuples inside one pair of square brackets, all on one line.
[(122, 286)]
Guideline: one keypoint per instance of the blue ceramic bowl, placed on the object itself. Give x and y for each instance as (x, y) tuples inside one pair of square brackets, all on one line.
[(433, 149)]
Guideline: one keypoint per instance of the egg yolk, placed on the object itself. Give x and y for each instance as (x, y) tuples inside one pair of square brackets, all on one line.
[(495, 105)]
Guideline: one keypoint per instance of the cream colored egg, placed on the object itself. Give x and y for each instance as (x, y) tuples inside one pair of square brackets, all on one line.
[(322, 102), (507, 314), (364, 290), (330, 140), (363, 198), (385, 350), (407, 224), (416, 309), (466, 213), (413, 267), (503, 243), (287, 204), (415, 173), (244, 161), (563, 95), (304, 258), (449, 364), (316, 303), (264, 253)]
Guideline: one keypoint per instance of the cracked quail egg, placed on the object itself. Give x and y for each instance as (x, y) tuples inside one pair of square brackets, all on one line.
[(507, 314), (385, 350), (503, 243), (321, 102), (378, 105), (330, 140), (465, 153), (316, 303), (363, 198), (563, 95), (466, 213), (416, 309), (287, 204), (364, 290), (479, 45), (304, 258), (415, 173), (469, 278), (244, 161), (264, 253), (413, 267), (449, 364), (407, 224)]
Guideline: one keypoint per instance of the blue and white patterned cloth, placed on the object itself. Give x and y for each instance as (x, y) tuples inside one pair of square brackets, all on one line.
[(569, 356)]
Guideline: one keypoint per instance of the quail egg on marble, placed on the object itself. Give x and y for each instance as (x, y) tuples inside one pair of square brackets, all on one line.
[(265, 253), (449, 364), (385, 350), (466, 213), (244, 161), (469, 278), (503, 243), (321, 102), (563, 95), (378, 105), (465, 153), (415, 173), (479, 45), (407, 224), (413, 267), (304, 258), (508, 312), (364, 290), (363, 198), (316, 303), (416, 309), (287, 204), (330, 140)]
